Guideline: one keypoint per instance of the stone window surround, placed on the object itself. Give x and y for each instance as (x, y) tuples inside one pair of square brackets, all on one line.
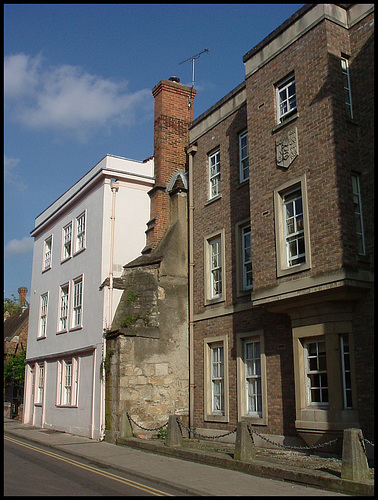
[(208, 416), (241, 388), (207, 281), (282, 269)]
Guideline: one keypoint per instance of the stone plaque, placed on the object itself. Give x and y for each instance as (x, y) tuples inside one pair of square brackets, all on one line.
[(287, 148)]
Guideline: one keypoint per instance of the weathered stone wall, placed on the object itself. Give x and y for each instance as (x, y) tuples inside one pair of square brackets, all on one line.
[(148, 374), (147, 349)]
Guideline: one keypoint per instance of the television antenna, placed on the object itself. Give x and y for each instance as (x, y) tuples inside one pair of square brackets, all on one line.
[(193, 58)]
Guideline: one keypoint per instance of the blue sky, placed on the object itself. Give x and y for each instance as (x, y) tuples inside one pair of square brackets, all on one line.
[(77, 86)]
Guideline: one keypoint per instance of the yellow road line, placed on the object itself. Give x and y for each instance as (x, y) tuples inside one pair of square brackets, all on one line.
[(89, 468)]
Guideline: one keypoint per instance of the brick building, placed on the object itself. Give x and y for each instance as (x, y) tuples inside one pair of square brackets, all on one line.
[(16, 326), (281, 236)]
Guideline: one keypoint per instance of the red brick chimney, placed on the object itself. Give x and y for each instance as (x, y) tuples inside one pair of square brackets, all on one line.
[(173, 114), (22, 291)]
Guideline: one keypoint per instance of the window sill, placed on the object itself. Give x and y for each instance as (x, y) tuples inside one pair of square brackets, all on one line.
[(216, 418), (38, 404), (41, 338), (286, 121), (61, 332), (75, 328), (66, 406), (292, 270), (216, 198), (254, 420), (243, 183), (65, 260), (46, 269), (79, 251), (210, 302)]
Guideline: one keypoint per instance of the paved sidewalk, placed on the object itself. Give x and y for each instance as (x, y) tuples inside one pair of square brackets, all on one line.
[(201, 472)]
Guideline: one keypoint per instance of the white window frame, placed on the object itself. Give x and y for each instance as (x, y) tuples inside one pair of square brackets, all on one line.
[(281, 236), (356, 188), (77, 302), (293, 217), (255, 377), (43, 309), (255, 417), (284, 98), (47, 253), (218, 379), (68, 382), (346, 371), (215, 259), (40, 380), (209, 268), (315, 376), (243, 156), (346, 87), (246, 262), (214, 174), (63, 307), (80, 232), (67, 241)]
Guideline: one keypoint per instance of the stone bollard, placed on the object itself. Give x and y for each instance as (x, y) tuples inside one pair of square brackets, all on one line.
[(174, 436), (126, 430), (244, 445), (354, 462)]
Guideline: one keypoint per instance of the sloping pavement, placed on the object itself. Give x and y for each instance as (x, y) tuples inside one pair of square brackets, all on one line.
[(201, 472)]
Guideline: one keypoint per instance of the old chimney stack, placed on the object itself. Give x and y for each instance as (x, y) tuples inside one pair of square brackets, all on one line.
[(173, 114), (22, 291)]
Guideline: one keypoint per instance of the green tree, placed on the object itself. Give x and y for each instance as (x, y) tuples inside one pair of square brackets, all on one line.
[(14, 369), (11, 305)]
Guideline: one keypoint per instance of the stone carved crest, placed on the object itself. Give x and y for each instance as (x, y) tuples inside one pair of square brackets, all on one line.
[(287, 148)]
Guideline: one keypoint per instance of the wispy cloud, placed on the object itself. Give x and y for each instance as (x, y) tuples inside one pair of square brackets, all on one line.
[(18, 247), (68, 98), (11, 176)]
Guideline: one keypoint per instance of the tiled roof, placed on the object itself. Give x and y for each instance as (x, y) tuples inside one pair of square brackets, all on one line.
[(13, 324)]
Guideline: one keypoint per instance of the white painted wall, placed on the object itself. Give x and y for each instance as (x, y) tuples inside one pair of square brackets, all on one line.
[(91, 193)]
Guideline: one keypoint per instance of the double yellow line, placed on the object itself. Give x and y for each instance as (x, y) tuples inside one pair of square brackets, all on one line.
[(99, 472)]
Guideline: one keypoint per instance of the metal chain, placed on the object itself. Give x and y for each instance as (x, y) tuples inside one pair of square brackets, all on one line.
[(144, 428), (250, 430), (368, 442), (322, 445), (200, 435)]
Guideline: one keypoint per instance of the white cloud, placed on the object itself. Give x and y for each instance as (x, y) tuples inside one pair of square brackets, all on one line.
[(68, 98), (11, 176), (20, 75), (18, 247)]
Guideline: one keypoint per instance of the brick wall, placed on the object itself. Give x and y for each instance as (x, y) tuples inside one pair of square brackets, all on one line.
[(280, 375), (329, 149), (232, 207)]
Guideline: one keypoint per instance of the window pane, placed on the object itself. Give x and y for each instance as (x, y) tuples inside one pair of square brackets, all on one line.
[(286, 98), (317, 373)]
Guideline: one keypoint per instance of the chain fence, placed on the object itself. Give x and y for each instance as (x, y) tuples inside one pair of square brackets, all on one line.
[(286, 446), (144, 428), (190, 431), (251, 432)]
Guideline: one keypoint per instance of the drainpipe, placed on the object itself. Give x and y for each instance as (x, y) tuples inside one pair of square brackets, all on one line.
[(114, 186), (191, 151)]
